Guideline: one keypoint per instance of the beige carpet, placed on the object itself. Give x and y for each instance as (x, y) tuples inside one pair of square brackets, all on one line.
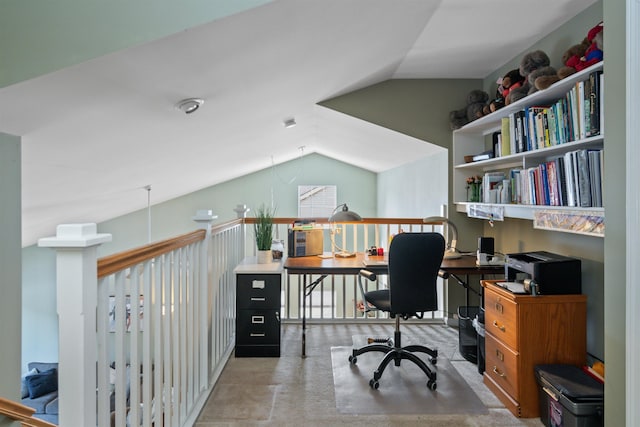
[(402, 389)]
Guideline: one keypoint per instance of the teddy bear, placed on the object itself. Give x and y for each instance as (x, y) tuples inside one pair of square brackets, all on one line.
[(506, 84), (577, 57), (476, 102), (529, 63)]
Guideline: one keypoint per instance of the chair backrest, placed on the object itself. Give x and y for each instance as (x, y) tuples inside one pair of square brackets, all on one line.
[(414, 262)]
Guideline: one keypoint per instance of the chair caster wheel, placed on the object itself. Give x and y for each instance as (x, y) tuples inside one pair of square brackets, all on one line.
[(433, 360), (353, 360), (431, 384), (374, 384)]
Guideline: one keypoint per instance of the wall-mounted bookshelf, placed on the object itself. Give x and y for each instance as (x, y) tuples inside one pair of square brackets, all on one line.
[(552, 157)]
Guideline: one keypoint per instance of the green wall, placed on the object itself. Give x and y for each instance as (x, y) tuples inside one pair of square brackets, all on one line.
[(276, 186), (616, 207), (38, 37), (10, 262)]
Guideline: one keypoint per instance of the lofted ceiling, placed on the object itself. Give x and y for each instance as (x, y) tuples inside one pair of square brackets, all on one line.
[(96, 133)]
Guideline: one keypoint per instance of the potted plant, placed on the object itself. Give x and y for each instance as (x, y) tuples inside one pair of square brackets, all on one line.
[(263, 229)]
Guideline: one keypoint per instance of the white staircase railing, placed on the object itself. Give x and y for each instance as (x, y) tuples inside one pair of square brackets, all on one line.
[(146, 331)]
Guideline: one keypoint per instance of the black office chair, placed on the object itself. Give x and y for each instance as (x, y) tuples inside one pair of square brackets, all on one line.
[(414, 267)]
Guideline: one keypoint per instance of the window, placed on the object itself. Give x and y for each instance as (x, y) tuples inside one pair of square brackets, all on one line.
[(316, 201)]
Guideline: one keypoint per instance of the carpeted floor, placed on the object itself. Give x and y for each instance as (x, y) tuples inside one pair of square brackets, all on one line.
[(294, 391), (402, 388)]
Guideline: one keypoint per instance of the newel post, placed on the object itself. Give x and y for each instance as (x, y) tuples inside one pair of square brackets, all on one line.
[(76, 293)]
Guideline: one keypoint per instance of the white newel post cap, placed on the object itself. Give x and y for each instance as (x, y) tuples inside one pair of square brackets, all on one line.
[(205, 215), (241, 211), (75, 236)]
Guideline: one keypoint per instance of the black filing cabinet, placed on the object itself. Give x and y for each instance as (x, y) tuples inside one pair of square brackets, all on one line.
[(258, 309)]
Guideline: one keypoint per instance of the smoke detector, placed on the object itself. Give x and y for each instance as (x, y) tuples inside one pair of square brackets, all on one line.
[(189, 105)]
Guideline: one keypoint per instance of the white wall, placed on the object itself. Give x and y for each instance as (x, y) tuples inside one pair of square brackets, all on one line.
[(414, 190)]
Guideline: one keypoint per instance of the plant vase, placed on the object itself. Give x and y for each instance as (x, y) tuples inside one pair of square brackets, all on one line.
[(265, 257), (263, 228), (473, 192)]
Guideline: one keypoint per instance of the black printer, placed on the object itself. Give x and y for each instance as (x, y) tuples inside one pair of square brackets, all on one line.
[(553, 274)]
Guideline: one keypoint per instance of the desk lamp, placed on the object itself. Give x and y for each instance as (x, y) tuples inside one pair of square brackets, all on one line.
[(451, 252), (342, 215)]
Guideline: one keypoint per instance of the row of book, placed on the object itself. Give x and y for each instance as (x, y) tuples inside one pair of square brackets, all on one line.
[(574, 179), (577, 115)]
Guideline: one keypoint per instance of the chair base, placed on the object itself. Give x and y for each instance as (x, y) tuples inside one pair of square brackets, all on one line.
[(397, 353)]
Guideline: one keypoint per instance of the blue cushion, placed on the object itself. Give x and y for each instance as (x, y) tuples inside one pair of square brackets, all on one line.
[(24, 391), (42, 383)]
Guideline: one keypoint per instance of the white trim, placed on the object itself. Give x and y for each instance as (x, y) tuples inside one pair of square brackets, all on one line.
[(632, 358)]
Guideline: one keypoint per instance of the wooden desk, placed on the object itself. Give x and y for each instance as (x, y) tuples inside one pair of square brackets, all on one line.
[(306, 266)]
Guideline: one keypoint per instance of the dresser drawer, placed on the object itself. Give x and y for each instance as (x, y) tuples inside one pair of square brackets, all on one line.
[(258, 327), (258, 291), (500, 318), (502, 365)]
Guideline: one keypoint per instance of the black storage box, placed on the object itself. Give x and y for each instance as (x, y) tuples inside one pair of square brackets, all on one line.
[(468, 337), (569, 397)]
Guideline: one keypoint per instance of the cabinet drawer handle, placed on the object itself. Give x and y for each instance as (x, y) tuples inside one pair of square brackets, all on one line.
[(498, 373), (499, 308), (256, 335), (257, 319), (257, 284), (502, 328), (258, 299), (500, 355)]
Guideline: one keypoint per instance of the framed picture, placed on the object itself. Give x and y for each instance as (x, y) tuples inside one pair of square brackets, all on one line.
[(138, 311)]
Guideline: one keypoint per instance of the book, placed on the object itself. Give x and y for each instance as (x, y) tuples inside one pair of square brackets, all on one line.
[(505, 143), (595, 177), (594, 105), (562, 181), (584, 182), (552, 182)]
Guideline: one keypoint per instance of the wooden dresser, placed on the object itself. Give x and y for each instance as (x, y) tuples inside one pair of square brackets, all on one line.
[(523, 331)]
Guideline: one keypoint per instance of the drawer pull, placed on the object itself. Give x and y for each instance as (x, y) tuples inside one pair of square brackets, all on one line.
[(499, 308), (258, 299), (257, 319), (502, 328), (257, 284), (498, 373), (256, 335), (500, 355)]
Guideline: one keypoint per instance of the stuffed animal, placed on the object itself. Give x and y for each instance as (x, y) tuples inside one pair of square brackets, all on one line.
[(542, 78), (571, 58), (476, 101), (577, 57), (594, 52), (511, 80), (529, 63)]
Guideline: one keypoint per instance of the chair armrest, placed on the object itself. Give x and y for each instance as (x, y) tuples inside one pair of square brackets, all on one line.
[(443, 274), (368, 274), (372, 277)]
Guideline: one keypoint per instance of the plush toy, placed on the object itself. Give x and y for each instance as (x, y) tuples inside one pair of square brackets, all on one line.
[(506, 84), (571, 58), (594, 52), (476, 102), (529, 63), (542, 78), (577, 57)]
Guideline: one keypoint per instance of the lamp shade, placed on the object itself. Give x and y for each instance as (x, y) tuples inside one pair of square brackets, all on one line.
[(342, 214), (452, 252)]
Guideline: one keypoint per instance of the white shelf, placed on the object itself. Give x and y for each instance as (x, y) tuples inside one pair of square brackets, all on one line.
[(470, 139), (526, 211)]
